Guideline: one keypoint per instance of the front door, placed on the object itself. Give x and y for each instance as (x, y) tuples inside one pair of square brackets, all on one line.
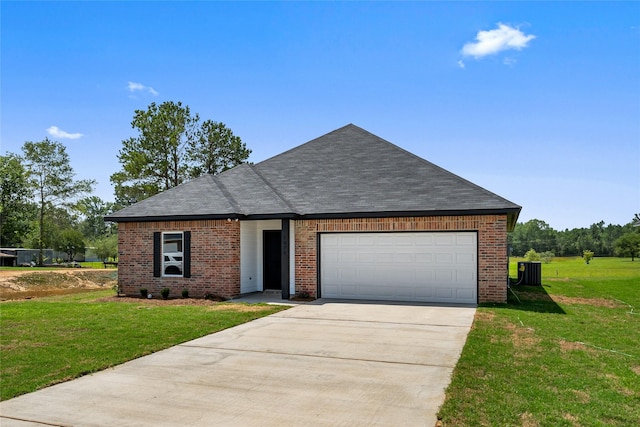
[(272, 258)]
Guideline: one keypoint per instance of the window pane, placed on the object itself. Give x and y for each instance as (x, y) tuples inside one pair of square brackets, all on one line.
[(172, 253)]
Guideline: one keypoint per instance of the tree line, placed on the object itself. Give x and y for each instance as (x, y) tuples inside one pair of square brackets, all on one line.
[(42, 205), (609, 240)]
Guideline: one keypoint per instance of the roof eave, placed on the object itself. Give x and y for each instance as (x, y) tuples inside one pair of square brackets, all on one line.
[(512, 215)]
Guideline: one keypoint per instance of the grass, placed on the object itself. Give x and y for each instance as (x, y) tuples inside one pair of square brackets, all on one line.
[(50, 340), (566, 354)]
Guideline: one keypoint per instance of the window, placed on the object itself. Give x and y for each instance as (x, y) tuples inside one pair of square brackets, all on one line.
[(172, 254)]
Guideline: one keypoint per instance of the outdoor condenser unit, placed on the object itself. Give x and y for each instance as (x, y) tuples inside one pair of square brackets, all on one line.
[(530, 273)]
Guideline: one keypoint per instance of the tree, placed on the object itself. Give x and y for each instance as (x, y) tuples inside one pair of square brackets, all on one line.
[(534, 234), (155, 161), (547, 256), (216, 150), (171, 147), (71, 242), (16, 211), (106, 247), (532, 255), (587, 255), (94, 209), (628, 245), (51, 177)]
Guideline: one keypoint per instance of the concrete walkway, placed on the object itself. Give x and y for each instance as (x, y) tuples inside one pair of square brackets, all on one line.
[(326, 363)]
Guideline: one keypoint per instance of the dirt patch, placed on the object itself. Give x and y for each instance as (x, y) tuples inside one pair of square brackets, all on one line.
[(524, 340), (572, 419), (566, 346), (561, 299), (595, 302), (528, 420), (25, 284), (581, 396), (636, 369)]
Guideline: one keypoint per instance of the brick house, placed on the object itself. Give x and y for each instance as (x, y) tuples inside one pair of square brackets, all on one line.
[(347, 215)]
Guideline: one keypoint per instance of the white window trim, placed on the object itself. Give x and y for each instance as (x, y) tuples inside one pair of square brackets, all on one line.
[(162, 254)]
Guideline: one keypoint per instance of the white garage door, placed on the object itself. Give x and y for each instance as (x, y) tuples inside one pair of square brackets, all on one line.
[(426, 267)]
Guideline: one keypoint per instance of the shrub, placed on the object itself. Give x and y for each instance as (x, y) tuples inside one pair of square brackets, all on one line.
[(213, 297), (587, 255), (143, 292), (547, 256), (532, 255), (165, 293), (185, 293)]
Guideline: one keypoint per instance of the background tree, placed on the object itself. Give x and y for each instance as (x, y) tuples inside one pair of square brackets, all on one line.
[(16, 209), (155, 161), (93, 210), (216, 150), (51, 177), (71, 242), (106, 247), (534, 234), (628, 245), (171, 147), (532, 255), (547, 256)]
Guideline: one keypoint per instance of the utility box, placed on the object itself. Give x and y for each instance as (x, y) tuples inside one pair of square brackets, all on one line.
[(530, 273)]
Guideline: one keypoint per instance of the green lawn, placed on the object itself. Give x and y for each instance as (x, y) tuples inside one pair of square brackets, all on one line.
[(566, 354), (49, 340)]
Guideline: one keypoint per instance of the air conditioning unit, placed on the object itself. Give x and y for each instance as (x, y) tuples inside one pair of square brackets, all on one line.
[(530, 273)]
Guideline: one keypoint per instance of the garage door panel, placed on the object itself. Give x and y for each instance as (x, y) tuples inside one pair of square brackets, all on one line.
[(411, 266), (465, 240), (444, 239), (445, 258)]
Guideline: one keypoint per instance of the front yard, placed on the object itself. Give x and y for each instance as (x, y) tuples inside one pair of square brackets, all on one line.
[(49, 340), (563, 354)]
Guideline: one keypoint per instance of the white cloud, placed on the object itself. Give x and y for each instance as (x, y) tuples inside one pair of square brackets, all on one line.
[(133, 87), (59, 133), (493, 41)]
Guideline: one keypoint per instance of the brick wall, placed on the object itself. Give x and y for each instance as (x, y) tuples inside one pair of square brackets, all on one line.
[(215, 252), (492, 246), (215, 258)]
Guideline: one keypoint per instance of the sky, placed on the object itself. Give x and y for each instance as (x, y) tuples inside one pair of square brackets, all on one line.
[(538, 102)]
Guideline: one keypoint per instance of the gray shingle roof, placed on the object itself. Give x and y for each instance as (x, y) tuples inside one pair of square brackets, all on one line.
[(347, 172)]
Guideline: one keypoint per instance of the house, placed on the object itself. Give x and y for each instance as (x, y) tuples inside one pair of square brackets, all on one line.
[(347, 215)]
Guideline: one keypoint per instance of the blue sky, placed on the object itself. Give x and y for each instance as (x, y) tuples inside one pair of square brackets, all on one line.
[(538, 102)]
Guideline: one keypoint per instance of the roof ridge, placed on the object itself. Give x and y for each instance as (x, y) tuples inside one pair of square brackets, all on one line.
[(309, 142), (227, 194), (273, 189)]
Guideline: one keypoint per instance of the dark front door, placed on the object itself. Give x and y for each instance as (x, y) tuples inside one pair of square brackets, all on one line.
[(272, 259)]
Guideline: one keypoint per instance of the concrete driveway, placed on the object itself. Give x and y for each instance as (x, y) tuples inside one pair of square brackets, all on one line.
[(327, 363)]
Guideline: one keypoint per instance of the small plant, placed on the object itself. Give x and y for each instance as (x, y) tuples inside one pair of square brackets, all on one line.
[(302, 296), (185, 293), (532, 255), (165, 293), (587, 255), (143, 292)]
